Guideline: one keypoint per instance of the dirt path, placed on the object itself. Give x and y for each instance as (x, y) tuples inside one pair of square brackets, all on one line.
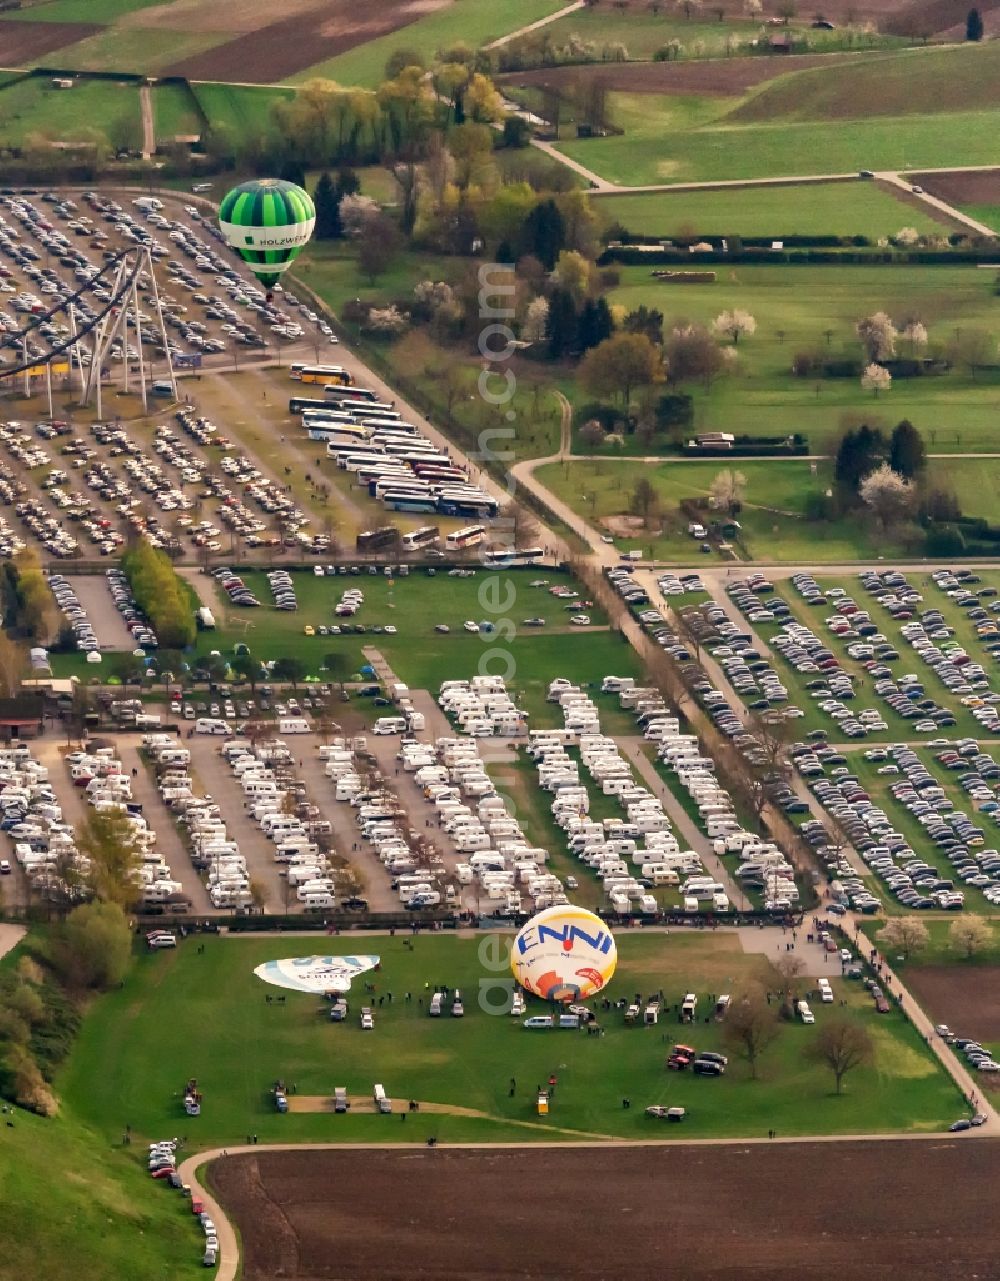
[(935, 203), (536, 26), (10, 936), (148, 127)]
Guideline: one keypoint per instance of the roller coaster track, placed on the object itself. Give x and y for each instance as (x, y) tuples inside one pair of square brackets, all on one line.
[(124, 268)]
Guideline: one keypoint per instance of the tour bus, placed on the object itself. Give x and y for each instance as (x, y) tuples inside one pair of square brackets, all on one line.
[(361, 450), (461, 503), (399, 483), (512, 557), (334, 392), (335, 374), (299, 405), (403, 502), (470, 536), (417, 539), (444, 476), (376, 539), (343, 433), (370, 412), (331, 416)]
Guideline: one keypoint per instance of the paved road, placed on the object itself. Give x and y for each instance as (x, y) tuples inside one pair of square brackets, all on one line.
[(94, 596)]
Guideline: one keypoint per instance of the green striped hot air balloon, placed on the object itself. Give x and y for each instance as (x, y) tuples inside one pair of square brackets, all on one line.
[(267, 222)]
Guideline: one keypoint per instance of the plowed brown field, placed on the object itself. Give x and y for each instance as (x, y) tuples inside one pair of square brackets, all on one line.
[(280, 49), (840, 1211), (23, 43), (962, 189)]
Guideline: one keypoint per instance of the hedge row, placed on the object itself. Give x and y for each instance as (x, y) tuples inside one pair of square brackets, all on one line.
[(160, 593)]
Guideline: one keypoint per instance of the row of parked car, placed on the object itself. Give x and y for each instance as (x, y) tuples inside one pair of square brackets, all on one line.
[(162, 1164), (74, 613)]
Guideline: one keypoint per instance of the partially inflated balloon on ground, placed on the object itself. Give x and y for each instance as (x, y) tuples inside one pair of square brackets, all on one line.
[(267, 222), (564, 954)]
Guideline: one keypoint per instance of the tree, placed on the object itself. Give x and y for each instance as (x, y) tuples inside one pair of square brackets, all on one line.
[(969, 935), (247, 668), (691, 353), (543, 233), (561, 323), (356, 212), (645, 500), (572, 272), (841, 1044), (858, 453), (400, 59), (645, 320), (889, 495), (536, 319), (109, 842), (288, 671), (974, 25), (328, 226), (379, 246), (94, 947), (734, 324), (907, 455), (592, 434), (620, 364), (904, 935), (972, 349), (13, 665), (595, 324), (878, 336), (750, 1026), (784, 976), (728, 489), (876, 378), (915, 334)]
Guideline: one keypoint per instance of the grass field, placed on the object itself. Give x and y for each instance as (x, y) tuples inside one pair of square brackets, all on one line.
[(694, 140), (33, 106), (175, 112), (240, 109), (471, 22), (911, 82), (93, 1211), (815, 309), (989, 214), (79, 10), (129, 48), (224, 1033), (771, 519), (822, 209), (938, 952)]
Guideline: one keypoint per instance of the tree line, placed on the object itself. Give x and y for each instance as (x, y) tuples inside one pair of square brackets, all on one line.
[(161, 594)]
